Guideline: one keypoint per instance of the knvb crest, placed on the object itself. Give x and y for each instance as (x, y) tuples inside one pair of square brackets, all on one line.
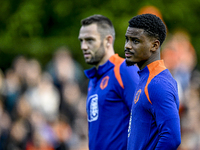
[(104, 82), (137, 96), (93, 113)]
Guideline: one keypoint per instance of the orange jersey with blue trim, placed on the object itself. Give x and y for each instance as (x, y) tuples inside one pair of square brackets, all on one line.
[(154, 122), (109, 101)]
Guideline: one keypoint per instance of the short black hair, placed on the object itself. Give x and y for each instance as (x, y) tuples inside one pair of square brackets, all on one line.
[(104, 24), (152, 24)]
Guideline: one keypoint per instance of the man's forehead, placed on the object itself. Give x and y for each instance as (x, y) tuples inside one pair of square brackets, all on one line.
[(134, 31), (89, 29)]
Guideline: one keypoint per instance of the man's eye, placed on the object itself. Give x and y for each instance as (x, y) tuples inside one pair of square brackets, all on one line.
[(90, 40), (135, 41)]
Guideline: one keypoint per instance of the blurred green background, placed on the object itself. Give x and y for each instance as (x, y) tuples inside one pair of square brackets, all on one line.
[(36, 28)]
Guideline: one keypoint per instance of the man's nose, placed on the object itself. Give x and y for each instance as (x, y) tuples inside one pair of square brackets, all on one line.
[(84, 45), (128, 45)]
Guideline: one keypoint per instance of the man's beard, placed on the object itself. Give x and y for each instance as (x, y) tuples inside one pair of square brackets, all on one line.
[(97, 57), (93, 62), (129, 63)]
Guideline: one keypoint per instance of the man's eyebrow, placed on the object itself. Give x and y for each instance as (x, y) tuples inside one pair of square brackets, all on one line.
[(126, 36), (89, 37), (131, 37)]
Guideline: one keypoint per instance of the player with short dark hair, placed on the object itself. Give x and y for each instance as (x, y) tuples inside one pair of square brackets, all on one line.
[(111, 85), (154, 122)]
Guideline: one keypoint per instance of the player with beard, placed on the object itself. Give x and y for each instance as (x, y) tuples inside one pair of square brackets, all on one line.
[(154, 122), (111, 85)]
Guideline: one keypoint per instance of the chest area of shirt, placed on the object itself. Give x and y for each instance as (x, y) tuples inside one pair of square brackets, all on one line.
[(140, 101), (106, 88)]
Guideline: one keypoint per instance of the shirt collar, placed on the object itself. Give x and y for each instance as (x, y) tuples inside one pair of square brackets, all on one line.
[(153, 65), (102, 69)]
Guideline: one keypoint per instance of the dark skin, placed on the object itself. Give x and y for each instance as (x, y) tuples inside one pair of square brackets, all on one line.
[(140, 48)]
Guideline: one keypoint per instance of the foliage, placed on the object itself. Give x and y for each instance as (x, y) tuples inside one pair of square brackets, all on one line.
[(35, 28)]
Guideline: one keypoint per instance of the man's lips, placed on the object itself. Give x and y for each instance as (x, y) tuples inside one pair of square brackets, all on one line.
[(86, 54), (128, 53)]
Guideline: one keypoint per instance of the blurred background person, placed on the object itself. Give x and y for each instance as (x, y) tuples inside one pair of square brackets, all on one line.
[(180, 57), (42, 108)]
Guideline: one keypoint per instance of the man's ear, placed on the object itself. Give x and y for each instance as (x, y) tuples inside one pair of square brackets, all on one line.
[(109, 40), (155, 45)]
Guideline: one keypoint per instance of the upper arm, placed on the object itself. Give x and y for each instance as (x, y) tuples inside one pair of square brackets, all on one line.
[(164, 99), (165, 111)]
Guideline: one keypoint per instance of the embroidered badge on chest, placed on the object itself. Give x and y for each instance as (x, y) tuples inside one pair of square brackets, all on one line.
[(104, 82), (137, 96)]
